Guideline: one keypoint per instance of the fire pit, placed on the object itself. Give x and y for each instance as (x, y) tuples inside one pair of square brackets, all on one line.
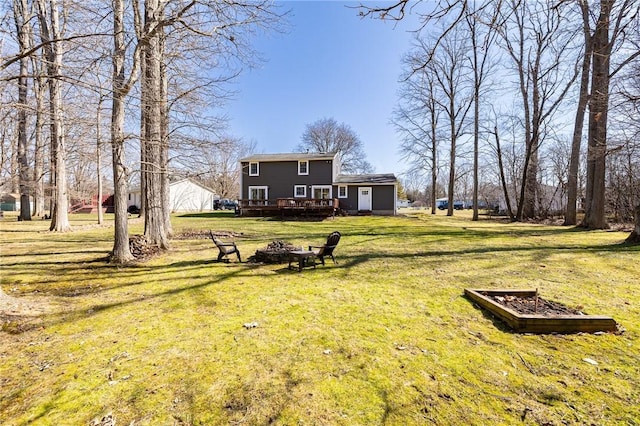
[(275, 252), (526, 312)]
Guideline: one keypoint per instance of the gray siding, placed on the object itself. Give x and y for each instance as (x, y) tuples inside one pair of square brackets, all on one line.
[(281, 177), (383, 198)]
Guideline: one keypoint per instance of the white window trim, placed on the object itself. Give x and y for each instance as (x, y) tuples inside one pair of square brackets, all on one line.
[(346, 191), (330, 187), (295, 191), (257, 168), (266, 191), (299, 163)]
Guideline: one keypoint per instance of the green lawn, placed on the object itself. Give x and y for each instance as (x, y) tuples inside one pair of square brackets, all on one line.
[(384, 337)]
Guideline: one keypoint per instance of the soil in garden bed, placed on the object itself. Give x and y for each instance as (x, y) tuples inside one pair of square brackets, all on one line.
[(527, 305)]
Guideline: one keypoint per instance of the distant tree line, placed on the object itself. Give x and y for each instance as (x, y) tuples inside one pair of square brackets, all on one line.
[(534, 102), (136, 79)]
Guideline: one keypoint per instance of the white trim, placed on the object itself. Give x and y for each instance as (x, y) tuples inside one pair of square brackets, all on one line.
[(257, 173), (304, 191), (346, 191), (395, 201), (266, 191), (306, 162), (314, 187)]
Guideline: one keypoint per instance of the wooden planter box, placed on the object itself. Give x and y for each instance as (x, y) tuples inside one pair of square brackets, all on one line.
[(525, 323)]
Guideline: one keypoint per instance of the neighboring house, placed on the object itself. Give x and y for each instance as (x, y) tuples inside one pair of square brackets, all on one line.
[(402, 204), (10, 202), (185, 195), (278, 181)]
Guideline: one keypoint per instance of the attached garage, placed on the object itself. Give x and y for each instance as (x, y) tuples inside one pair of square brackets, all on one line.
[(367, 194)]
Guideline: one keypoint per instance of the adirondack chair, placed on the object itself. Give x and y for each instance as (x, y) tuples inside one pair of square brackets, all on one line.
[(225, 248), (327, 249)]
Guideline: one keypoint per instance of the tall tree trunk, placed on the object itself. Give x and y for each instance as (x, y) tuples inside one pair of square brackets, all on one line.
[(50, 34), (503, 179), (434, 154), (524, 192), (531, 185), (99, 159), (14, 183), (40, 147), (164, 137), (144, 136), (23, 30), (634, 237), (574, 161), (154, 225), (476, 139), (452, 170), (121, 252), (599, 105), (452, 150)]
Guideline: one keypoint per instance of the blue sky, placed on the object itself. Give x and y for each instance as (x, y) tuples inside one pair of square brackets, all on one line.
[(330, 64)]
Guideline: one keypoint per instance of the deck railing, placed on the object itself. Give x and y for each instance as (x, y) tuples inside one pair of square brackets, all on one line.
[(327, 205), (307, 203)]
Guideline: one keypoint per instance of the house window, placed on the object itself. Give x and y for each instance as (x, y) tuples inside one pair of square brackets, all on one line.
[(254, 169), (321, 191), (303, 167), (300, 191), (258, 195), (342, 191)]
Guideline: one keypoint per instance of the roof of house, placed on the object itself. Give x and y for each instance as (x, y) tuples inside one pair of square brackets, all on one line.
[(206, 188), (137, 188), (387, 178), (293, 156)]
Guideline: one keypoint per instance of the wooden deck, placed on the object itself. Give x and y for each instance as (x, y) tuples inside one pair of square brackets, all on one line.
[(289, 207)]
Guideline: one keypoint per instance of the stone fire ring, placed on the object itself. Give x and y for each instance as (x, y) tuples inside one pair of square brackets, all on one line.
[(542, 324)]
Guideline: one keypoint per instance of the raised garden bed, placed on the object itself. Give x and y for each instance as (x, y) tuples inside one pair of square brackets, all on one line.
[(526, 312)]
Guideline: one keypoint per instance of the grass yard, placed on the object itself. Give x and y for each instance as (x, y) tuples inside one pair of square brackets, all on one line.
[(385, 337)]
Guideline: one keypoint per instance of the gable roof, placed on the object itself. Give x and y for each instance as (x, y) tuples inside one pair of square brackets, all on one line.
[(373, 179), (194, 182), (293, 156), (206, 188)]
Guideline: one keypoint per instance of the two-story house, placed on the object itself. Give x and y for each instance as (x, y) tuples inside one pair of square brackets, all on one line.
[(275, 183)]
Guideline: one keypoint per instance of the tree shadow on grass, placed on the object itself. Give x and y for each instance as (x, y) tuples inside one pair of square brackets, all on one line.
[(51, 319), (355, 260)]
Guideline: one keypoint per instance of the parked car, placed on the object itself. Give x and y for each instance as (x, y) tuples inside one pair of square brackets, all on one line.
[(225, 204), (444, 204)]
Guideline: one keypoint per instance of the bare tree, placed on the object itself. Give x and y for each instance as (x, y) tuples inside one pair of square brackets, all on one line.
[(583, 99), (533, 37), (608, 34), (40, 171), (501, 171), (416, 119), (482, 24), (326, 135), (23, 31), (121, 85), (154, 172), (456, 97), (50, 33), (629, 95)]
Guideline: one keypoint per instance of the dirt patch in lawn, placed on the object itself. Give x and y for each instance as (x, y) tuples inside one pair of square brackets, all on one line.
[(199, 234), (534, 305), (20, 313)]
